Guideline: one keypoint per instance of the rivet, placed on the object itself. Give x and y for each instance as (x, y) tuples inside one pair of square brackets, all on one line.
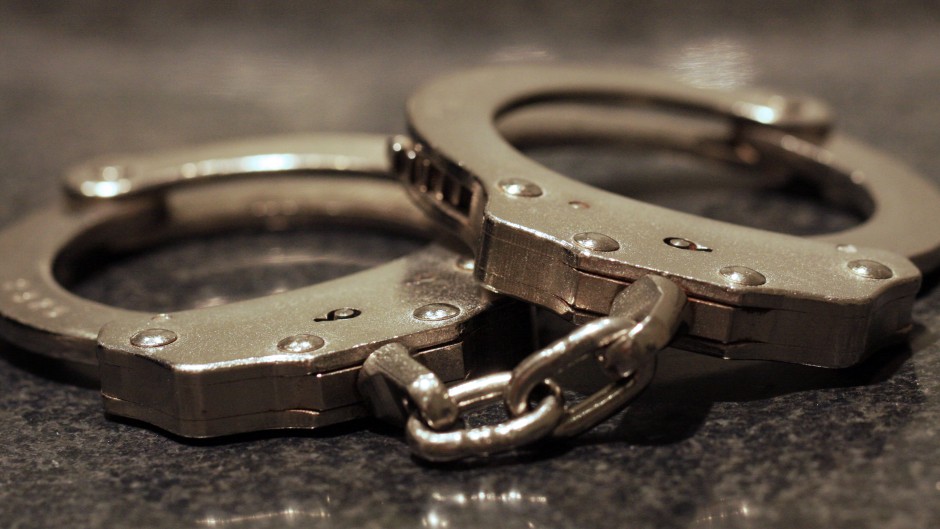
[(465, 263), (743, 275), (519, 187), (301, 343), (153, 338), (870, 269), (596, 241), (436, 312)]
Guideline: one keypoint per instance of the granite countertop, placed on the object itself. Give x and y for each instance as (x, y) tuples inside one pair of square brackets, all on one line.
[(710, 444)]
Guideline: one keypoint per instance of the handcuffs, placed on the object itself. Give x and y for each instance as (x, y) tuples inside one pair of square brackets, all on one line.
[(257, 364), (636, 276)]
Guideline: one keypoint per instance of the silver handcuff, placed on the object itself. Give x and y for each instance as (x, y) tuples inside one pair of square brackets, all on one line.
[(636, 276), (289, 360)]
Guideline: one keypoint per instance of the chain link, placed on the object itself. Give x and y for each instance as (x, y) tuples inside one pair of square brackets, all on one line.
[(644, 318), (523, 429)]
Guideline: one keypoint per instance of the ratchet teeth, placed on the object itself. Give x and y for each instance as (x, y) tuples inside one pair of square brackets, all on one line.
[(446, 189)]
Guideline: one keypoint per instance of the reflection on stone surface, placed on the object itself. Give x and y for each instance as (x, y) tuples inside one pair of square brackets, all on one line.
[(725, 514), (448, 507), (451, 508), (288, 517)]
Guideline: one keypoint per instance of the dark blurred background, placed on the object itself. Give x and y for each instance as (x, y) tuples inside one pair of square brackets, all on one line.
[(708, 445)]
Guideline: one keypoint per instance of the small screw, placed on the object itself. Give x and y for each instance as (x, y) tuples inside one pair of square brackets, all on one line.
[(436, 312), (301, 343), (153, 338), (596, 241), (519, 187), (743, 275), (870, 269)]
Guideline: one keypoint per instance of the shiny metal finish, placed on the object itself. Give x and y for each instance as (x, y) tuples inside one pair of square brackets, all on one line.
[(644, 320), (870, 269), (113, 176), (301, 343), (807, 289), (288, 360), (519, 431), (37, 313), (389, 372), (436, 312), (394, 335), (153, 338), (596, 241), (519, 187), (742, 275)]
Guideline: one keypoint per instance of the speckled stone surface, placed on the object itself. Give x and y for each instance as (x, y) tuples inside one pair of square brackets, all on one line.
[(710, 444)]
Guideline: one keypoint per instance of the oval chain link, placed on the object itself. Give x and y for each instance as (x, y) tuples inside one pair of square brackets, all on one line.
[(523, 429), (644, 318)]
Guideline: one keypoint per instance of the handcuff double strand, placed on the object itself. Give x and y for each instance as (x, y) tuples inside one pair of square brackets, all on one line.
[(637, 277)]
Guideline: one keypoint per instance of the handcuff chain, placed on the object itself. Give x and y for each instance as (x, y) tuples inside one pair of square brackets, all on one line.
[(644, 318)]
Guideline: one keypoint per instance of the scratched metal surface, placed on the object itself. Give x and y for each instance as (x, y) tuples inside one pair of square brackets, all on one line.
[(708, 445)]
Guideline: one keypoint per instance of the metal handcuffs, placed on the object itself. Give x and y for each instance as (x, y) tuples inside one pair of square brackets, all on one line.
[(635, 272), (257, 364), (539, 236), (737, 292)]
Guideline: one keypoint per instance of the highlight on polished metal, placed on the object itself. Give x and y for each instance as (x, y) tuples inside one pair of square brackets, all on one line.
[(572, 248), (405, 341), (289, 360), (643, 320)]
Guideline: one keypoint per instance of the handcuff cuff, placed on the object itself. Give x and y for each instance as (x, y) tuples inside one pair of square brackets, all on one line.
[(735, 292), (288, 360), (637, 276)]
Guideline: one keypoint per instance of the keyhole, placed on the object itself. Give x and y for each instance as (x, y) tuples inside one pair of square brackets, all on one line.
[(339, 314), (685, 244)]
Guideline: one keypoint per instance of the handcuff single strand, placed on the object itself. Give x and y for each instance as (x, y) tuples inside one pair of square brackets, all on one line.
[(271, 362)]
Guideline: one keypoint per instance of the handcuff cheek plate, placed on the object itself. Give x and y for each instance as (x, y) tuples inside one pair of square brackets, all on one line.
[(263, 363), (571, 247)]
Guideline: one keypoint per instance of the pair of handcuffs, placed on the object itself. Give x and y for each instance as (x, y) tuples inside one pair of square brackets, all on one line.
[(405, 340)]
